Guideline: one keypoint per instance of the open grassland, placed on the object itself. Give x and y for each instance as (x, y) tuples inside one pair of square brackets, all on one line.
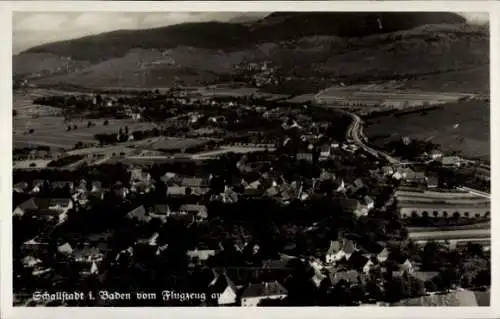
[(390, 95), (475, 80), (50, 129), (462, 127)]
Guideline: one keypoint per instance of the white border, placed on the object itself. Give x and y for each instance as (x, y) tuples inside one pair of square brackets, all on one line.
[(6, 8)]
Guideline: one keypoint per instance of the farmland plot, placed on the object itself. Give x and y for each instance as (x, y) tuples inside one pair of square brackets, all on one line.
[(50, 129)]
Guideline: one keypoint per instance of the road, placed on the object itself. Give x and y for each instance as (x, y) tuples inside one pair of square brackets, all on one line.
[(356, 135)]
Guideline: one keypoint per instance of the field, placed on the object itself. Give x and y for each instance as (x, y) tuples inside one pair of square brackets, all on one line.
[(471, 137), (39, 163), (389, 95), (229, 149), (49, 128)]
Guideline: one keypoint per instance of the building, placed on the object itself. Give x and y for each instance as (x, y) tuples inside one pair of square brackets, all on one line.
[(351, 277), (441, 204), (200, 254), (200, 211), (225, 290), (140, 214), (50, 209), (339, 250), (451, 161), (255, 293)]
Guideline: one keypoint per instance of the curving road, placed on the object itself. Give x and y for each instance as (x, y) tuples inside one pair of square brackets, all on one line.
[(355, 134)]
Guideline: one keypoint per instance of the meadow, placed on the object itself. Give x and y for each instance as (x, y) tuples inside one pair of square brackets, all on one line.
[(462, 127), (50, 129)]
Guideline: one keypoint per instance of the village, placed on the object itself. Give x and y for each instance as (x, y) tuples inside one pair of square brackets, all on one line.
[(275, 200)]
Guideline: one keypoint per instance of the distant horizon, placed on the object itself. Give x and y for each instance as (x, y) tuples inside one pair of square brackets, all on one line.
[(31, 29)]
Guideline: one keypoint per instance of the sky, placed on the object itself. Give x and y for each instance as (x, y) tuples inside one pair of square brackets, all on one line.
[(34, 28)]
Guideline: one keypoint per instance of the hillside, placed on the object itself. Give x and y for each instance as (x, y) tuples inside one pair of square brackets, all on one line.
[(302, 45)]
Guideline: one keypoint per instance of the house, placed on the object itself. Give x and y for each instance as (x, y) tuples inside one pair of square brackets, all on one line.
[(82, 187), (90, 269), (406, 266), (436, 154), (81, 198), (200, 254), (333, 250), (340, 187), (176, 190), (351, 277), (369, 265), (149, 241), (195, 182), (368, 202), (160, 211), (402, 173), (364, 207), (255, 293), (20, 187), (30, 262), (65, 249), (96, 186), (87, 254), (224, 288), (326, 176), (140, 181), (254, 185), (417, 178), (62, 184), (46, 208), (34, 247), (325, 152), (387, 170), (339, 250), (161, 249), (138, 175), (167, 177), (139, 213), (383, 255), (305, 157), (197, 185), (317, 268), (200, 211), (37, 185), (451, 161)]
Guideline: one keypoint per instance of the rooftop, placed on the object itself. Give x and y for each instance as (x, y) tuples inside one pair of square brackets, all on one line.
[(264, 289)]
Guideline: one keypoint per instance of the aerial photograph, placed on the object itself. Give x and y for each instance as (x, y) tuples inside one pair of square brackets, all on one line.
[(251, 159)]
